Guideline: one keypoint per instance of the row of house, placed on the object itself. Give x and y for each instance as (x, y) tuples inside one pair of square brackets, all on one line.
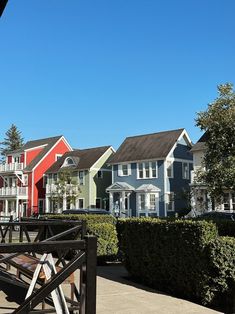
[(149, 175)]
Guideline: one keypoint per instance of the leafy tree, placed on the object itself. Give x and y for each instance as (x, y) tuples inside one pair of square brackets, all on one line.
[(65, 186), (218, 121), (12, 141)]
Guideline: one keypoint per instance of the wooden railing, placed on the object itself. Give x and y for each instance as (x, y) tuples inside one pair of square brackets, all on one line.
[(40, 244)]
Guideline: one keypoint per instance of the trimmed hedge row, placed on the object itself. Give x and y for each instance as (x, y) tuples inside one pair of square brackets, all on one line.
[(103, 226), (184, 258), (226, 228)]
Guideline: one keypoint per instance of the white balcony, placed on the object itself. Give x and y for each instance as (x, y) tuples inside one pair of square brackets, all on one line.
[(53, 188), (14, 191), (11, 167)]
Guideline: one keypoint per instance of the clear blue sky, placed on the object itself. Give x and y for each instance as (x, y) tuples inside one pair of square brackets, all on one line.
[(100, 70)]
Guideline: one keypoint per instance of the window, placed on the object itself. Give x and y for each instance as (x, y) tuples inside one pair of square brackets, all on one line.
[(147, 170), (152, 201), (25, 179), (81, 177), (142, 201), (100, 174), (170, 204), (80, 203), (57, 156), (44, 180), (185, 170), (69, 161), (229, 201), (98, 203), (17, 159), (55, 177), (124, 170), (140, 172), (169, 169)]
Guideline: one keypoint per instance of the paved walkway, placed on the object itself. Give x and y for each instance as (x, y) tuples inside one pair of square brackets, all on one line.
[(116, 295)]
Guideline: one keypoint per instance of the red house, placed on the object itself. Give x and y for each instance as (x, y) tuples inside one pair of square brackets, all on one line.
[(22, 190)]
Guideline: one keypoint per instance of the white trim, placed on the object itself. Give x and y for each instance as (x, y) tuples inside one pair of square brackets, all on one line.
[(43, 206), (35, 147), (173, 201), (112, 174), (184, 133), (66, 142), (165, 185), (89, 188), (32, 190), (144, 172), (188, 171), (110, 148), (58, 155), (172, 168), (180, 160), (101, 169), (136, 161), (61, 138)]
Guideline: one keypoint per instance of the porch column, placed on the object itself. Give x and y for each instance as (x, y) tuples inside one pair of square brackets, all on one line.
[(6, 207), (17, 208), (111, 201), (123, 194), (47, 209), (64, 202)]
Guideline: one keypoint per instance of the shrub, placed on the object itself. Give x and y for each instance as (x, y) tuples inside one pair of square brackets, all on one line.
[(184, 258), (103, 226)]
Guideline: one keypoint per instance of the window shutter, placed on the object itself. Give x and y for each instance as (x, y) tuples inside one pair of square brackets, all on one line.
[(120, 170), (129, 169)]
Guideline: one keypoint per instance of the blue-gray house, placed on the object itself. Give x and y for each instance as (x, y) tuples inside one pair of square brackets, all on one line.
[(151, 174)]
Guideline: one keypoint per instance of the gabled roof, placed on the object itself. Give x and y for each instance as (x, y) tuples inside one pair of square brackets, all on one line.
[(85, 159), (148, 188), (48, 142), (120, 186), (144, 147), (201, 143)]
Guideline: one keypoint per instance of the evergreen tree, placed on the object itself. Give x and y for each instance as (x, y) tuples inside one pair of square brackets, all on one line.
[(218, 121), (12, 141)]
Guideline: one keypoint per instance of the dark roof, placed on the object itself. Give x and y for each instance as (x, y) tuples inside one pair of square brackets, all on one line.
[(201, 143), (84, 158), (2, 6), (48, 142), (144, 147)]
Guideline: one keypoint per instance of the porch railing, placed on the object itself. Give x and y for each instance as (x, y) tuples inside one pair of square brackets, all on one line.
[(70, 188), (14, 191), (11, 167), (84, 260)]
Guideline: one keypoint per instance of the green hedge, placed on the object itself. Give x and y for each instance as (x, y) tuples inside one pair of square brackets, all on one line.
[(104, 227), (226, 228), (184, 258)]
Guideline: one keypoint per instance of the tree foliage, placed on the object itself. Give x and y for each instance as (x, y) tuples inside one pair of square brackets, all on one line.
[(12, 141), (218, 121), (66, 186)]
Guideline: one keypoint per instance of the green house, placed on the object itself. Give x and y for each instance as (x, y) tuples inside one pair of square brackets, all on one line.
[(79, 179)]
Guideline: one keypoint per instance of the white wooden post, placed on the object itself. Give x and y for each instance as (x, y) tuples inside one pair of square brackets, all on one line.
[(111, 201)]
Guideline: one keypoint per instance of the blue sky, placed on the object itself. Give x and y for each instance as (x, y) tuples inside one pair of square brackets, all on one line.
[(100, 70)]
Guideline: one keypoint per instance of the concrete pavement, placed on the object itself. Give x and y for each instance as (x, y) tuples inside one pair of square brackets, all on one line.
[(116, 295)]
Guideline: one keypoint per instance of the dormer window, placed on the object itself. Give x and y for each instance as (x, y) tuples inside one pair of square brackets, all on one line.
[(68, 162)]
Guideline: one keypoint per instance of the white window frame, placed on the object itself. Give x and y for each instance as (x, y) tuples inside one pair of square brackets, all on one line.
[(169, 165), (58, 156), (187, 177), (83, 178), (120, 170), (150, 170), (26, 180), (230, 202), (168, 200)]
